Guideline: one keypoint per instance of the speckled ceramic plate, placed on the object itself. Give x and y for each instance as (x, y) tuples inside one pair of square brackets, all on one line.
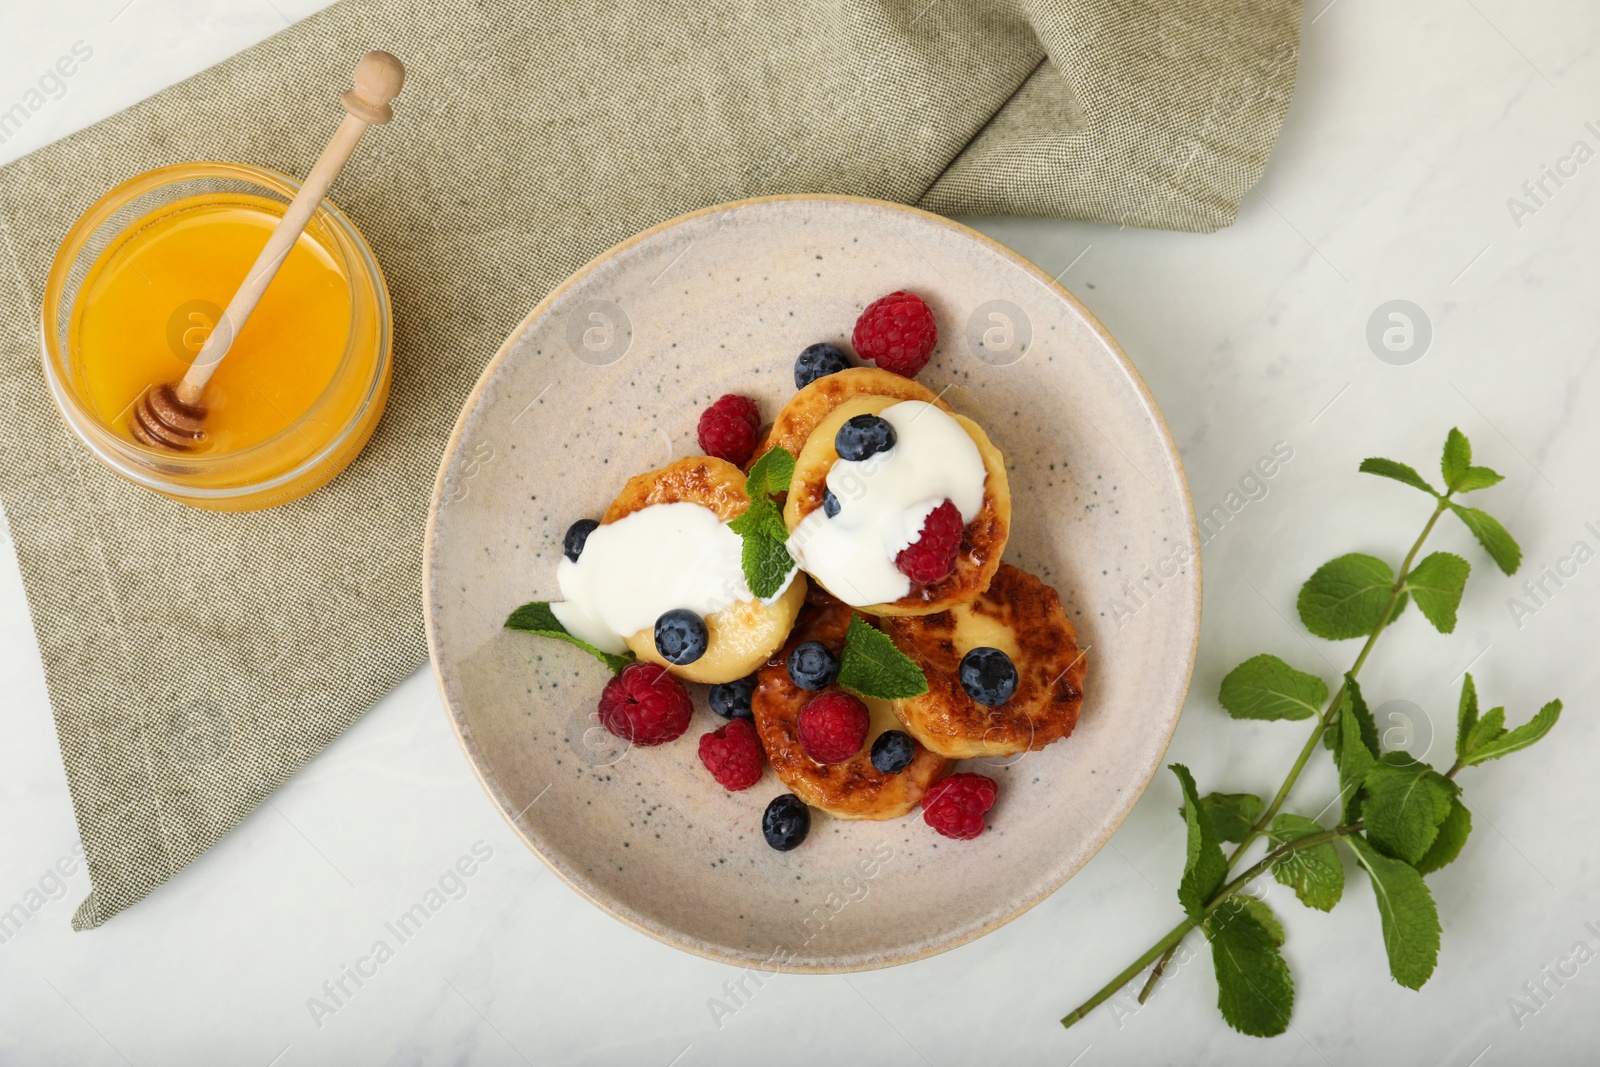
[(606, 379)]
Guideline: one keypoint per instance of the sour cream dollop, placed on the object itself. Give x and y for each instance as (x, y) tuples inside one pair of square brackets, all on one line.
[(661, 557), (883, 502)]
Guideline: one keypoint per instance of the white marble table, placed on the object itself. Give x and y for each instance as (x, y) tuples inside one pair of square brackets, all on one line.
[(1413, 126)]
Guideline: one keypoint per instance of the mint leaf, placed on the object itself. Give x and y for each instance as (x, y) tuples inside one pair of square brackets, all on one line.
[(1203, 868), (1466, 718), (1436, 584), (1502, 742), (537, 618), (1265, 687), (1456, 460), (770, 475), (1390, 468), (1255, 991), (1410, 920), (1491, 726), (1346, 596), (1406, 802), (1314, 873), (872, 666), (1363, 717), (767, 564), (1232, 815), (1486, 738), (1478, 478), (1500, 545), (764, 555), (1452, 835), (1353, 754), (762, 517)]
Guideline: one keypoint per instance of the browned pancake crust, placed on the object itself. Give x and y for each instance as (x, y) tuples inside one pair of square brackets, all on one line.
[(705, 480), (1050, 669), (812, 404), (854, 789)]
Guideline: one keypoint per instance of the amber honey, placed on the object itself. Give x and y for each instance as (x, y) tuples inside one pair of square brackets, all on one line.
[(141, 282), (149, 303)]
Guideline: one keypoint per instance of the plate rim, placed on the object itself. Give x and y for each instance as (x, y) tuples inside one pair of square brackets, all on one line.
[(677, 939)]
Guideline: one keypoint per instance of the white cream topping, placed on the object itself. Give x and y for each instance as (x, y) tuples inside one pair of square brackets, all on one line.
[(661, 557), (883, 501)]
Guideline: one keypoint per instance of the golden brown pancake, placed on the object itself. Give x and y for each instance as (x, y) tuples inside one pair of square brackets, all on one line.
[(1022, 617), (743, 635), (982, 541), (854, 789)]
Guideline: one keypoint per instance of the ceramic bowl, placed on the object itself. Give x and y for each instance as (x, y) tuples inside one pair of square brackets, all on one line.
[(606, 378)]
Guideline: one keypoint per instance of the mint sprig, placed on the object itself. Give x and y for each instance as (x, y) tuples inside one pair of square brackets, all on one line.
[(1460, 476), (765, 555), (873, 666), (1399, 817), (1479, 740), (537, 618)]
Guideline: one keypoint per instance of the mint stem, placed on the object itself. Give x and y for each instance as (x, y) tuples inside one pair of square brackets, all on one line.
[(1332, 709), (1323, 722), (1174, 937)]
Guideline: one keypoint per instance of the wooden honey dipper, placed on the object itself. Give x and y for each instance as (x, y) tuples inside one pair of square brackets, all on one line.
[(170, 416)]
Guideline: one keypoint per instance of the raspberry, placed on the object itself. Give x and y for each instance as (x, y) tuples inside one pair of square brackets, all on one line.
[(645, 705), (955, 805), (728, 429), (733, 755), (933, 554), (832, 727), (897, 332)]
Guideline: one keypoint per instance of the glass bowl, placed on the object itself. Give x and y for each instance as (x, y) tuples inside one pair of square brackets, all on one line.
[(315, 445)]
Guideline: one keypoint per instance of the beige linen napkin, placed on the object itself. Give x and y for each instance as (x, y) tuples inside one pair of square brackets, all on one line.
[(196, 660)]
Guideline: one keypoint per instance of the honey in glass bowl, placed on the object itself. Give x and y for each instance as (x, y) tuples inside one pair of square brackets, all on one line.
[(140, 282)]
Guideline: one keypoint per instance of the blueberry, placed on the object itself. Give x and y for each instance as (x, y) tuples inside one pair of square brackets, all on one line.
[(988, 676), (681, 636), (818, 361), (577, 536), (731, 700), (812, 666), (786, 822), (863, 436), (893, 751), (830, 503)]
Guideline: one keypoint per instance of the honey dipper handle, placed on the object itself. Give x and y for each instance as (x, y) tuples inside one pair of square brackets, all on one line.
[(378, 79)]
